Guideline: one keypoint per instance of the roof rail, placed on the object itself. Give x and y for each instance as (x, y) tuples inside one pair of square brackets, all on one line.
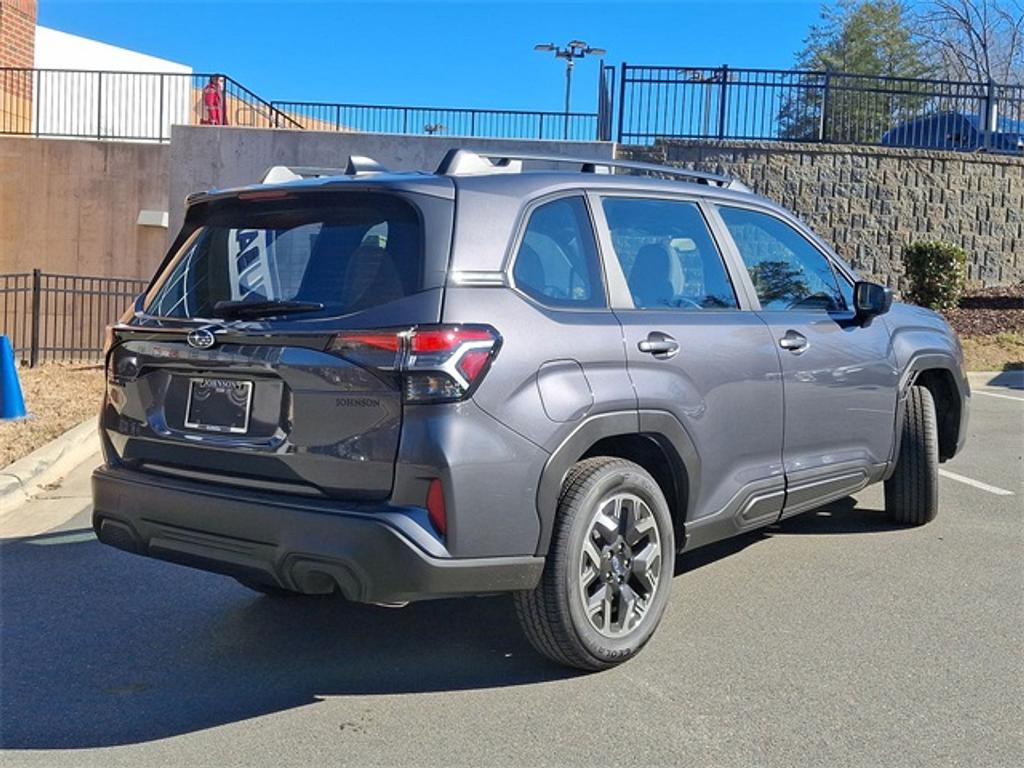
[(357, 165), (459, 161)]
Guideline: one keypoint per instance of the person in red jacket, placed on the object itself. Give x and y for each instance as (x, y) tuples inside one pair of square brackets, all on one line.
[(213, 102)]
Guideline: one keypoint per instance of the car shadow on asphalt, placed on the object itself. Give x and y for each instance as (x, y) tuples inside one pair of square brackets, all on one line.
[(102, 648), (839, 517)]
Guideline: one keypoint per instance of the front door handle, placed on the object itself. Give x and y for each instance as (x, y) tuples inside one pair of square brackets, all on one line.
[(794, 342), (659, 344)]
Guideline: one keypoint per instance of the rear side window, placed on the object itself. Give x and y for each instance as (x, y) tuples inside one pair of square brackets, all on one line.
[(349, 252), (557, 261), (667, 254), (786, 270)]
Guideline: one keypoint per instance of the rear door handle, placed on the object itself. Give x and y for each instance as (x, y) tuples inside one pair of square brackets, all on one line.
[(794, 342), (659, 344)]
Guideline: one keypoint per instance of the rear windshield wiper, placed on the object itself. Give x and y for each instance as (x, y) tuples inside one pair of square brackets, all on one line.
[(267, 308)]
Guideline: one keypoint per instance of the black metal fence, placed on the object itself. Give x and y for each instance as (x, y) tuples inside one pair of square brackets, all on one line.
[(817, 106), (61, 317), (131, 106), (653, 102), (448, 121)]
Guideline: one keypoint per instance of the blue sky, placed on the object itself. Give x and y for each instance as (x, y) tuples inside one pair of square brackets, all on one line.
[(436, 54)]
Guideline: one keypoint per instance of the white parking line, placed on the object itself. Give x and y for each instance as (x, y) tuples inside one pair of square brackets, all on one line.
[(975, 483), (996, 394)]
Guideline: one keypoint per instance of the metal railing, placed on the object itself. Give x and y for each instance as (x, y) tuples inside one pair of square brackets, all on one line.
[(130, 106), (817, 106), (447, 121), (637, 104), (61, 317)]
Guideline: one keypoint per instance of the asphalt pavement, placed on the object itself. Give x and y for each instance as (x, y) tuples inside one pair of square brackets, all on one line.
[(833, 639)]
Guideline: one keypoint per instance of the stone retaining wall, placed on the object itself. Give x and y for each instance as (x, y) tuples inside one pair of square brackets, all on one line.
[(869, 202)]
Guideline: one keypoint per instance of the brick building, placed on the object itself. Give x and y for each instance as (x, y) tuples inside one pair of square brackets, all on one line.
[(17, 49)]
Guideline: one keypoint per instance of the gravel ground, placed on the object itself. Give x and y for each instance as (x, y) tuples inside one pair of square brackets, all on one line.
[(58, 396)]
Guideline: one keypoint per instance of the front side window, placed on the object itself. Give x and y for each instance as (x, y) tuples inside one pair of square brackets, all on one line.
[(667, 254), (557, 261), (346, 252), (787, 271)]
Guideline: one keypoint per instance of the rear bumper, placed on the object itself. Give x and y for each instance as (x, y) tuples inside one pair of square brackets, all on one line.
[(369, 555)]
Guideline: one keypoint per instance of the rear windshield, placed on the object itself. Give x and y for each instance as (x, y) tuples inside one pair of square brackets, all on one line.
[(347, 252)]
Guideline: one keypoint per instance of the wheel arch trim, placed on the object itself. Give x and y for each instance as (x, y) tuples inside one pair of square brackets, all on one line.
[(918, 364), (657, 424)]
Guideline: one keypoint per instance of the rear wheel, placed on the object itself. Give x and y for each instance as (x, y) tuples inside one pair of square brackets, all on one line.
[(912, 493), (609, 570)]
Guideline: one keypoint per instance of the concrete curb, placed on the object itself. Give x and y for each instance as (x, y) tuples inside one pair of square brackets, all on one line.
[(18, 481), (1008, 379)]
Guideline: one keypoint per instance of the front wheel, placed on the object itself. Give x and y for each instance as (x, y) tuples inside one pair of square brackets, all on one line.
[(912, 492), (609, 570)]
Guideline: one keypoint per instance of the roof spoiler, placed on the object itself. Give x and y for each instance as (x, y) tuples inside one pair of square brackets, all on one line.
[(357, 165)]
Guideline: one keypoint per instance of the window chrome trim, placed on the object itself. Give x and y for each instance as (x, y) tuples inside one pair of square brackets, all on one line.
[(471, 278)]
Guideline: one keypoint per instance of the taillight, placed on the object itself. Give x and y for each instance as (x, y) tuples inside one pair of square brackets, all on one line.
[(437, 363)]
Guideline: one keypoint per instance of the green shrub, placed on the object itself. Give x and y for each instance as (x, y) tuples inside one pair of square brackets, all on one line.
[(937, 272)]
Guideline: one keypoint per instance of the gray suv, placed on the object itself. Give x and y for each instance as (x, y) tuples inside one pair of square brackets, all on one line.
[(489, 379)]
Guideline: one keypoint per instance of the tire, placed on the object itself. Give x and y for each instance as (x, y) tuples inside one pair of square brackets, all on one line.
[(605, 503), (912, 492)]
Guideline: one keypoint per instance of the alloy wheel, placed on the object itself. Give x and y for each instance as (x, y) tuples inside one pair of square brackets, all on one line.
[(620, 568)]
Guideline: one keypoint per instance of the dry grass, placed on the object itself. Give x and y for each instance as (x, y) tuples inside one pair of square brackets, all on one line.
[(57, 396), (996, 352)]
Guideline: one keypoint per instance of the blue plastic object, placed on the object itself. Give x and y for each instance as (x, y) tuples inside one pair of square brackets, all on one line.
[(12, 402)]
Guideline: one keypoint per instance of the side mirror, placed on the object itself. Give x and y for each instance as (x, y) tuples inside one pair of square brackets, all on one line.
[(871, 300)]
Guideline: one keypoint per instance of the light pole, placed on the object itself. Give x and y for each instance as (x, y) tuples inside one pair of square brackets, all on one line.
[(574, 49)]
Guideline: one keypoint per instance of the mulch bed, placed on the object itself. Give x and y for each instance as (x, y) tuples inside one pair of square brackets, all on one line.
[(989, 311), (58, 396)]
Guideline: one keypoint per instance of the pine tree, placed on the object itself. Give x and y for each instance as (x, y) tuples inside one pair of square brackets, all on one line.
[(856, 42)]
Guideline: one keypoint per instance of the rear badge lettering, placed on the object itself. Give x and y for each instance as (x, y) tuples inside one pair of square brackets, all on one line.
[(356, 402)]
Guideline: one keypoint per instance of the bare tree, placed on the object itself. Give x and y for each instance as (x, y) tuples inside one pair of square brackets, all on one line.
[(976, 40)]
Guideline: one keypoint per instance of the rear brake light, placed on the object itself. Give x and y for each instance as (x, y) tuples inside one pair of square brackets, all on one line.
[(438, 363)]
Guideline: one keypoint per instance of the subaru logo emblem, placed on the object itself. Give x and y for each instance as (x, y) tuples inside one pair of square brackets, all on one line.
[(201, 338)]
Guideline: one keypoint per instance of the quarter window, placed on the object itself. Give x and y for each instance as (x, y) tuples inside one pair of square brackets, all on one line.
[(667, 254), (557, 260), (787, 271)]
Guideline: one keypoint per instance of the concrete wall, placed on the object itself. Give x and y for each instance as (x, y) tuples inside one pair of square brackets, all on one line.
[(869, 201), (72, 206), (202, 158)]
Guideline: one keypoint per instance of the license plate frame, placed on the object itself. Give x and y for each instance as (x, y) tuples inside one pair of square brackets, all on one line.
[(237, 422)]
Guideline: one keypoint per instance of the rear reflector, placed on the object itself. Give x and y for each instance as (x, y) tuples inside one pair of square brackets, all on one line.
[(435, 506), (439, 363)]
